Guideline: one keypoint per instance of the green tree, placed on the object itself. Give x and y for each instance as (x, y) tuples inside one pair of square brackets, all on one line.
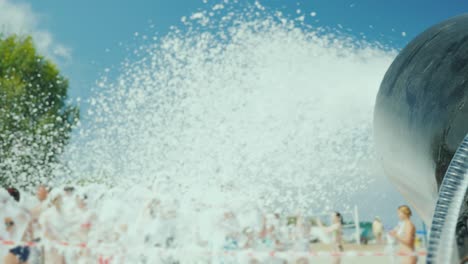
[(35, 118)]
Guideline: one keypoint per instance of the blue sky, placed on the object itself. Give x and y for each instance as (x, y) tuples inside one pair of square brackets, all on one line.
[(92, 30)]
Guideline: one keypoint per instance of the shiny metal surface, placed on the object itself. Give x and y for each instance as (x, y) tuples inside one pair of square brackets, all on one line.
[(421, 113), (449, 224)]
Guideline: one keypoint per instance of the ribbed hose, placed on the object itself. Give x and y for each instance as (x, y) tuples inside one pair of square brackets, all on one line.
[(451, 197)]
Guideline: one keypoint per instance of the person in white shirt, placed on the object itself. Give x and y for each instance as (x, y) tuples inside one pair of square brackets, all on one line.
[(34, 228), (81, 221), (377, 230), (54, 226)]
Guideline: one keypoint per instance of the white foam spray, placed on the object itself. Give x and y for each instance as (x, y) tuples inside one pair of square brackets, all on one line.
[(241, 106)]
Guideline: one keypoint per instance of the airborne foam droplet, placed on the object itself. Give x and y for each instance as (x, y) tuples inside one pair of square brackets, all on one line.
[(258, 111), (218, 7)]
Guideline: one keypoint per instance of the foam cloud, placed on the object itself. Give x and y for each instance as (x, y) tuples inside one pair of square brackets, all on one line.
[(19, 18)]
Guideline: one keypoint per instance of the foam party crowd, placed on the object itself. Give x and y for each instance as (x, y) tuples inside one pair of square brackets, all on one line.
[(69, 225)]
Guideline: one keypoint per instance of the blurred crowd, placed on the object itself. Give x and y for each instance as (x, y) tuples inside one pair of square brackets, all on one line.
[(71, 225)]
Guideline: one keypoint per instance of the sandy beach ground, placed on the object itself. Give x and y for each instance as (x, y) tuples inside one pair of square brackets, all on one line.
[(368, 249), (360, 259)]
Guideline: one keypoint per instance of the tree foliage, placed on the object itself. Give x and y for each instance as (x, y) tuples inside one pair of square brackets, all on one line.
[(35, 118)]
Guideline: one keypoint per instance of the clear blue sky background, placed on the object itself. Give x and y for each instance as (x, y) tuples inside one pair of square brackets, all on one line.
[(90, 27)]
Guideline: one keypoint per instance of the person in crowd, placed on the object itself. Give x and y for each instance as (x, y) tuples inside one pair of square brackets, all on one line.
[(5, 197), (5, 200), (34, 229), (269, 232), (301, 237), (168, 223), (16, 221), (301, 233), (69, 191), (270, 237), (226, 237), (405, 234), (249, 238), (81, 220), (42, 193), (14, 193), (229, 226), (69, 199), (336, 231), (149, 216), (377, 230), (54, 226), (15, 227), (112, 226)]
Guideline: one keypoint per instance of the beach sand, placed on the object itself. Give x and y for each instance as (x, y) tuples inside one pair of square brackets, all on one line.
[(360, 259), (325, 257)]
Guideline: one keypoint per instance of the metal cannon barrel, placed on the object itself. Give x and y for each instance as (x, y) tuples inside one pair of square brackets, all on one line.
[(421, 117)]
